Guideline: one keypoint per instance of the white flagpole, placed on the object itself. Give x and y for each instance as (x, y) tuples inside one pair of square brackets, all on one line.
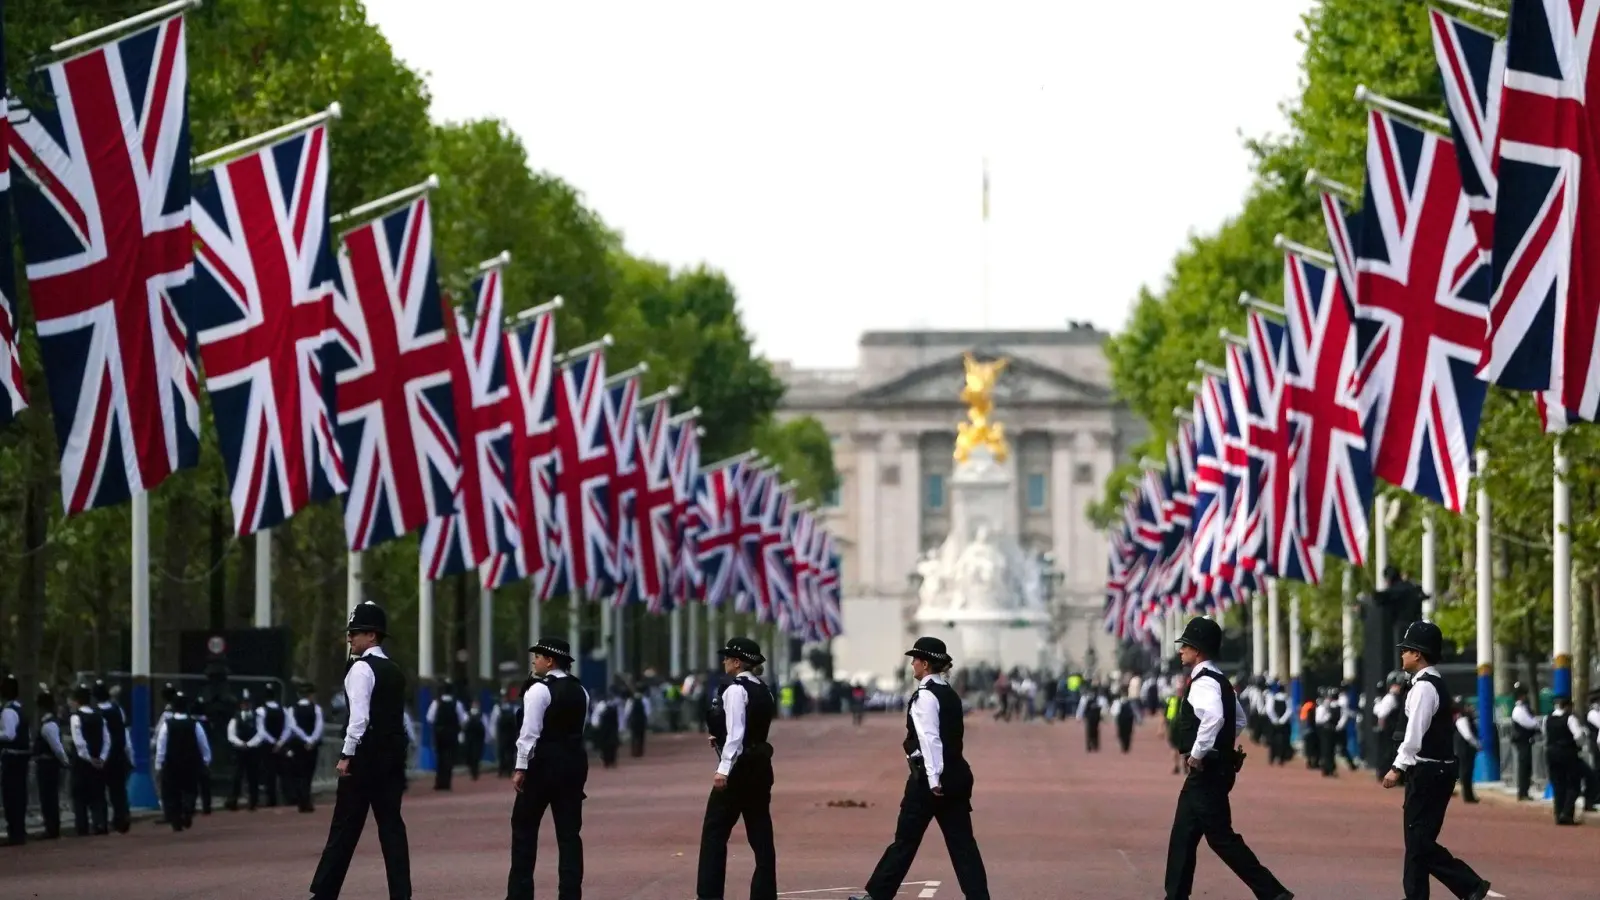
[(694, 635), (1430, 574), (535, 615), (424, 629), (711, 637), (352, 583), (485, 634), (263, 616), (1258, 633), (176, 8), (1275, 630), (1561, 535), (1347, 626), (141, 786), (574, 627), (675, 635), (621, 638)]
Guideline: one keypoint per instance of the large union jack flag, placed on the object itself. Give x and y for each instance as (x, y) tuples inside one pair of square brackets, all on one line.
[(718, 540), (262, 304), (1210, 506), (1545, 311), (108, 241), (13, 389), (583, 472), (1424, 294), (1472, 68), (686, 581), (622, 436), (397, 417), (655, 507), (530, 375), (483, 523), (1330, 471)]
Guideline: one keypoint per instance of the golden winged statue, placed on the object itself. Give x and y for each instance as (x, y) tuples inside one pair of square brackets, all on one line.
[(978, 394)]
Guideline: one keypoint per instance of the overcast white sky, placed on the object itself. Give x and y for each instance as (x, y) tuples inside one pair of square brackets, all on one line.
[(828, 155)]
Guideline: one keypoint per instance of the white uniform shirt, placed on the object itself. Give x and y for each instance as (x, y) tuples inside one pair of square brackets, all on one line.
[(1384, 705), (535, 702), (1594, 721), (1205, 696), (277, 739), (925, 720), (1422, 701), (733, 712), (1524, 716), (1288, 710), (358, 685), (256, 739), (1464, 728), (10, 721), (199, 736), (51, 731), (82, 746)]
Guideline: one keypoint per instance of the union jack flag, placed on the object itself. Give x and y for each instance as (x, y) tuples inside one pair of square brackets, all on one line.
[(1472, 67), (804, 538), (1545, 311), (262, 304), (622, 432), (655, 508), (13, 388), (756, 496), (1210, 509), (686, 579), (718, 543), (1424, 294), (1330, 471), (530, 369), (484, 520), (397, 416), (108, 242), (777, 559), (829, 588), (1228, 565), (584, 469)]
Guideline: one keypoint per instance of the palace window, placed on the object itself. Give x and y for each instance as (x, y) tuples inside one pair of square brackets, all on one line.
[(933, 491), (1082, 473), (830, 500), (1036, 490)]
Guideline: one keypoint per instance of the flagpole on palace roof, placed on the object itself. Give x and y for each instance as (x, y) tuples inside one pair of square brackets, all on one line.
[(160, 13)]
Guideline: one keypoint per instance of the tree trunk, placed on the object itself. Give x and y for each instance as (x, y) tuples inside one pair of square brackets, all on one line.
[(31, 605), (1582, 635)]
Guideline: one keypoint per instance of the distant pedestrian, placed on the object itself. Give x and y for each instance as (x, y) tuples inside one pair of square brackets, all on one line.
[(472, 734), (446, 715), (636, 712)]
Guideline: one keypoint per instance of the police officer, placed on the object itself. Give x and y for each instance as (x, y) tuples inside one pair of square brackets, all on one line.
[(372, 766), (1328, 735), (1524, 726), (1389, 713), (446, 715), (607, 722), (636, 712), (15, 749), (91, 744), (50, 757), (272, 723), (940, 784), (552, 768), (1466, 746), (246, 739), (1424, 765), (739, 722), (1591, 794), (1281, 747), (472, 734), (1562, 738), (202, 783), (183, 752), (505, 721), (119, 764), (305, 723), (1125, 714), (1090, 708), (1208, 726)]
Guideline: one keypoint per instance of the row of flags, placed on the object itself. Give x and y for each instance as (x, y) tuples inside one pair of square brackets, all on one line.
[(336, 367), (1466, 263)]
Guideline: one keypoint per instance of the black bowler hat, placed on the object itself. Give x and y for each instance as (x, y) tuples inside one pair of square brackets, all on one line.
[(1561, 698), (929, 648), (102, 691), (368, 616), (1425, 638), (270, 690), (1202, 634), (45, 700), (80, 694), (743, 648), (1519, 689), (168, 692), (553, 647)]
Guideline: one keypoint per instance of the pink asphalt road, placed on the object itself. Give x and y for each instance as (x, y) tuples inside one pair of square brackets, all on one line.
[(1053, 823)]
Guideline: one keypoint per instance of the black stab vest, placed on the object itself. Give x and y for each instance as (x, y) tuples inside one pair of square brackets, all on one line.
[(89, 722), (952, 727), (305, 717), (1438, 742), (1189, 720), (561, 736), (183, 748), (117, 724), (506, 725), (386, 722), (1463, 746), (273, 718), (1558, 739), (446, 726)]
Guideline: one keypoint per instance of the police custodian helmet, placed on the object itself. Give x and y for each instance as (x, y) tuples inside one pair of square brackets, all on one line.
[(368, 616)]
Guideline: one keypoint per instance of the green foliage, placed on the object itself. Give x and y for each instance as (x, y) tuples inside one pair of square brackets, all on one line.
[(1387, 46), (253, 65)]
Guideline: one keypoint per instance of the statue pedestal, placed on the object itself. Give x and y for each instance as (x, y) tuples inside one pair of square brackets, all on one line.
[(982, 495)]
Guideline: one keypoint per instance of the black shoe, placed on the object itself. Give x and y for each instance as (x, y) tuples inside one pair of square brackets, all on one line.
[(1284, 896), (1480, 893)]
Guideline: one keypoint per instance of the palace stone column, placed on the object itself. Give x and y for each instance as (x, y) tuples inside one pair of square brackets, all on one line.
[(867, 576), (905, 531)]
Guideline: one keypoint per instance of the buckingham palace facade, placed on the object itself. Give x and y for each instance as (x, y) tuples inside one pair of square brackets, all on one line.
[(892, 420)]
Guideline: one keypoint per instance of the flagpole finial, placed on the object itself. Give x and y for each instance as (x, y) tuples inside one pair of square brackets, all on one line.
[(1362, 93), (335, 110), (432, 182)]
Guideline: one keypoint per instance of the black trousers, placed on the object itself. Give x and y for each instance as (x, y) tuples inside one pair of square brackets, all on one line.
[(609, 745), (1566, 782), (561, 792), (1524, 770), (1428, 790), (14, 795), (1091, 735), (1464, 771), (1125, 734), (88, 799), (47, 772), (271, 765), (202, 789), (305, 759), (637, 737), (118, 768), (1327, 741), (178, 787), (246, 774), (1204, 812), (472, 748), (505, 752), (953, 812), (444, 764), (1313, 744), (1282, 746), (748, 796), (375, 783)]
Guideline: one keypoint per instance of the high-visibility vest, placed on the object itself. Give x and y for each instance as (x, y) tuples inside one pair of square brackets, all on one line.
[(1172, 708)]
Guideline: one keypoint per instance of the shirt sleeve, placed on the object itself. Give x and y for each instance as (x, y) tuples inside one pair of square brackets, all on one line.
[(433, 711), (78, 744), (534, 704), (161, 744), (52, 739), (734, 699), (358, 685), (1421, 703), (315, 737), (1464, 728), (1206, 699), (233, 733), (9, 722), (1522, 716), (205, 744), (1576, 728), (1594, 721), (925, 718)]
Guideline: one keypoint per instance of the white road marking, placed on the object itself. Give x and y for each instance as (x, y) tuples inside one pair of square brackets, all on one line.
[(926, 890)]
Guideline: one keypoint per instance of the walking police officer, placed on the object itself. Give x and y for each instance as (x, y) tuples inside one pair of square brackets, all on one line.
[(1425, 764), (739, 722), (1208, 726), (372, 766), (446, 715), (15, 749), (939, 786), (552, 769), (183, 754), (1563, 737), (505, 721)]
